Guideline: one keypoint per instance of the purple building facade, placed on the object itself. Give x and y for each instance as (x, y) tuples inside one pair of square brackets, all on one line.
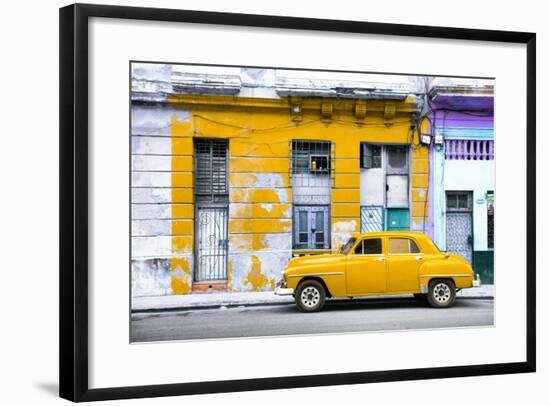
[(461, 195)]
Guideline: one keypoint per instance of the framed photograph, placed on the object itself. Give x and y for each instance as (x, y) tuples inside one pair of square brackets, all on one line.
[(257, 202)]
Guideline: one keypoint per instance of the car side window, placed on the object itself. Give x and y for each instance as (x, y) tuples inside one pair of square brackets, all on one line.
[(403, 246), (369, 246)]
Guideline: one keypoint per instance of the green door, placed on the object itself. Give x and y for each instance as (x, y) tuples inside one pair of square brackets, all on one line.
[(397, 219)]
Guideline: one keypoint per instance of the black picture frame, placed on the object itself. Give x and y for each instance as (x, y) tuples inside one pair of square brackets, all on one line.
[(73, 281)]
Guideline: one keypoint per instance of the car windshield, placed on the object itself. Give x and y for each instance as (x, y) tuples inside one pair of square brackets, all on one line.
[(347, 246)]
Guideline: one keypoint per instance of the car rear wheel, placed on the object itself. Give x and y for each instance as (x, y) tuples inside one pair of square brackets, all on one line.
[(310, 296), (441, 293)]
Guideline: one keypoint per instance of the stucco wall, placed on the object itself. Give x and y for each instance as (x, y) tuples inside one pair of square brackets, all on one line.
[(161, 217), (478, 177), (462, 116), (260, 191)]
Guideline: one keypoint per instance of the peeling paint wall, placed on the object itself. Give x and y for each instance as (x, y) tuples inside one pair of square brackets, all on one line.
[(260, 223), (161, 202), (151, 209), (260, 128), (151, 277), (419, 209)]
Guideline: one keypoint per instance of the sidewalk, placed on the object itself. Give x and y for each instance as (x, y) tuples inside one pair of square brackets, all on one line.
[(224, 299), (484, 291)]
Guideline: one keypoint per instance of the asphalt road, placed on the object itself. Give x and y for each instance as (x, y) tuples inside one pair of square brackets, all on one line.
[(336, 317)]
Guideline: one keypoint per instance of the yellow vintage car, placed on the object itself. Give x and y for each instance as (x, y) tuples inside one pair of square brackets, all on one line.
[(378, 263)]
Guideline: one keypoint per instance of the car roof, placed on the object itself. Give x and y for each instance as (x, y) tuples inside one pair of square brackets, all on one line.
[(392, 234)]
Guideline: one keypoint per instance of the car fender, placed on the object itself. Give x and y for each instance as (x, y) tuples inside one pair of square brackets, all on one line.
[(458, 270), (332, 273)]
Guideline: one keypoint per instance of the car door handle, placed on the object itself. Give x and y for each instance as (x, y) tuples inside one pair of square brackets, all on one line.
[(419, 258), (381, 259)]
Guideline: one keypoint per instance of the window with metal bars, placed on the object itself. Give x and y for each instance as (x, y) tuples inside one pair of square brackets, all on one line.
[(211, 169), (310, 157)]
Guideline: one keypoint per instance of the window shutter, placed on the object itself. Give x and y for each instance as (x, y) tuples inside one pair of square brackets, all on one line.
[(211, 167), (366, 156), (219, 167)]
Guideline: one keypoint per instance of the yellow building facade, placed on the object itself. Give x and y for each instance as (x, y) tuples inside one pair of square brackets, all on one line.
[(190, 233)]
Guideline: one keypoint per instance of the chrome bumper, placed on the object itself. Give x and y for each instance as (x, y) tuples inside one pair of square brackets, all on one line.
[(284, 291), (281, 289), (476, 283)]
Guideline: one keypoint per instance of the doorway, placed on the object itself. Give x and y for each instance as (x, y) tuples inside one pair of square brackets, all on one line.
[(311, 227), (459, 229), (211, 244)]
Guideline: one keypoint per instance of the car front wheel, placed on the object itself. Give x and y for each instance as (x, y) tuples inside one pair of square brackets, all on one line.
[(441, 293), (310, 296)]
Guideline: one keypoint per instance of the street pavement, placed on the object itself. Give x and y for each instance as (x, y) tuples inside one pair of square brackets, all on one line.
[(214, 300), (284, 319)]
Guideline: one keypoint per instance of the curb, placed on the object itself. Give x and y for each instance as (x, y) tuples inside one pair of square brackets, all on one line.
[(208, 307), (277, 303)]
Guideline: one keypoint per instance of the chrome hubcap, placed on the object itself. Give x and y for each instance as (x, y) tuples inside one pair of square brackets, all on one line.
[(310, 296), (441, 292)]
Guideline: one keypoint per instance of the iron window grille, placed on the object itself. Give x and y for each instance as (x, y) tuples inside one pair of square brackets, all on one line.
[(311, 157), (211, 170), (312, 164), (211, 244), (319, 164)]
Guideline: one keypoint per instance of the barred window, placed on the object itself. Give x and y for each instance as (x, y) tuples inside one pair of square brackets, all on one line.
[(211, 167), (310, 157)]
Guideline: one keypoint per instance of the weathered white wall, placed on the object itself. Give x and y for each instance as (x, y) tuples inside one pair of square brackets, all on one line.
[(372, 187), (311, 189), (478, 177), (151, 277), (342, 230), (397, 194), (151, 196), (260, 224)]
